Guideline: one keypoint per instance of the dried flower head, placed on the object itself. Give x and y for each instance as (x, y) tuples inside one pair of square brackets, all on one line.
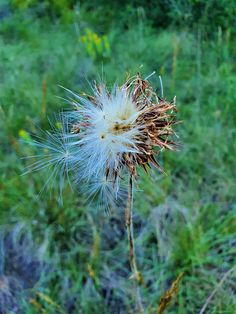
[(111, 133)]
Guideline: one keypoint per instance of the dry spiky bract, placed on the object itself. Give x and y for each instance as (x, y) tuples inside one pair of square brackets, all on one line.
[(155, 123), (169, 295), (107, 135), (144, 115)]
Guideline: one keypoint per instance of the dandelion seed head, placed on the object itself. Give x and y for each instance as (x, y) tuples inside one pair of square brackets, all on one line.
[(110, 134)]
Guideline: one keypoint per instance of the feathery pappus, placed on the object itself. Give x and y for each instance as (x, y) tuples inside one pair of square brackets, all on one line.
[(109, 134)]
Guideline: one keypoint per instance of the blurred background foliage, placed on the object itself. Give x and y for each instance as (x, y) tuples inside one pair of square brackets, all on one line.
[(184, 221)]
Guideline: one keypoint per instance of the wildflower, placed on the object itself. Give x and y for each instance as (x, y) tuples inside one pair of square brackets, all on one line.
[(108, 135)]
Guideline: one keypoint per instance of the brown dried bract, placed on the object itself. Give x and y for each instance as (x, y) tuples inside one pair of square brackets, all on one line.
[(169, 294), (155, 120)]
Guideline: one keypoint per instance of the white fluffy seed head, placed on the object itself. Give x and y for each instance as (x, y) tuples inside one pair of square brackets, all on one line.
[(107, 135), (108, 132)]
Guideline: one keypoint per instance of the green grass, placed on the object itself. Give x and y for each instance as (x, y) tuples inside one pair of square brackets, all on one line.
[(184, 221)]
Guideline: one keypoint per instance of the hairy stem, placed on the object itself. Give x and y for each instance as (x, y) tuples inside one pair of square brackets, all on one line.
[(136, 275)]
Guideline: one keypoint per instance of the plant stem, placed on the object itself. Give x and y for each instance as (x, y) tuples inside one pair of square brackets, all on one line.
[(136, 275), (203, 309)]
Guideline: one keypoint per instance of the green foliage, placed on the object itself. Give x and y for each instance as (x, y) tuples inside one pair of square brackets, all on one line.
[(209, 15), (184, 221)]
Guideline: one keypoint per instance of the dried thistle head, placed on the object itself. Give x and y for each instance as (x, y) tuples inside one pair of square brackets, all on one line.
[(109, 134)]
